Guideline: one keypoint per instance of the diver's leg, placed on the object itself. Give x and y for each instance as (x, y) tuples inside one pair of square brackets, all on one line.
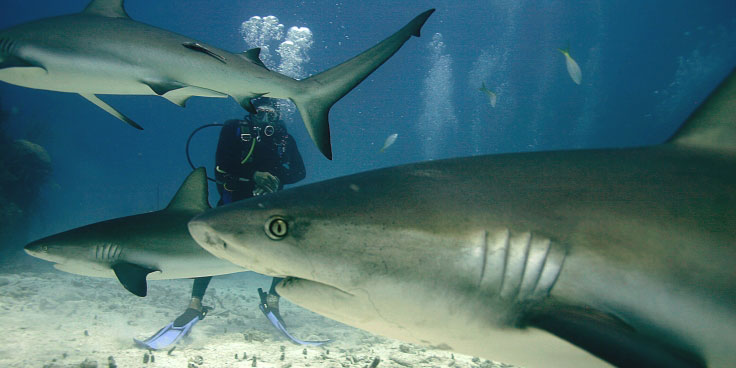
[(198, 289), (274, 282), (174, 331), (195, 309), (272, 299)]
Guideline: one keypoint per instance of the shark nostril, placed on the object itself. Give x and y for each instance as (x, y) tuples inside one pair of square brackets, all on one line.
[(210, 240)]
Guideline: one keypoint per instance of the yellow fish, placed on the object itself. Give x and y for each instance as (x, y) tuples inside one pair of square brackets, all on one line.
[(389, 141), (572, 67), (491, 95)]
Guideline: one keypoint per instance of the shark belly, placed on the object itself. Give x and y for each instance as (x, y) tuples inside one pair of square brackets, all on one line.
[(439, 317), (179, 268), (74, 81)]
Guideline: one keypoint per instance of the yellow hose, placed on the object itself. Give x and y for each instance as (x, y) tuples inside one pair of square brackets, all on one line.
[(252, 145)]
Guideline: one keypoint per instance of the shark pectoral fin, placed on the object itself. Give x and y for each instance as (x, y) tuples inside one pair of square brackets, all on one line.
[(181, 95), (611, 339), (253, 55), (111, 110), (133, 277), (203, 49)]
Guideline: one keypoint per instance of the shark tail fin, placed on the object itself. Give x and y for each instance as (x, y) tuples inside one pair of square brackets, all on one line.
[(713, 124), (319, 92)]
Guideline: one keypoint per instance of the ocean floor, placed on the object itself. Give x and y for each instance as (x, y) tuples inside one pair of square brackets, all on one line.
[(55, 319)]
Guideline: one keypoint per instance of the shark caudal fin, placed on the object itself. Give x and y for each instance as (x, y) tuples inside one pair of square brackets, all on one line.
[(193, 194), (713, 124), (320, 92)]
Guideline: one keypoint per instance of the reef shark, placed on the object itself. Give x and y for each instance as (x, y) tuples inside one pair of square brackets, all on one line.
[(156, 245), (620, 256), (103, 51)]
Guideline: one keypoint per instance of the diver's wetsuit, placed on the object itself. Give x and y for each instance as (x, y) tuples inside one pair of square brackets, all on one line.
[(277, 154)]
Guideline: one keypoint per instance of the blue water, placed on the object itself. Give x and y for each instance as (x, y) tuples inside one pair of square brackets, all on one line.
[(646, 65)]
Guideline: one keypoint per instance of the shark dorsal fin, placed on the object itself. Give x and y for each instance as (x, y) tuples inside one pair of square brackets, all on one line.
[(192, 195), (107, 8), (713, 124), (253, 55)]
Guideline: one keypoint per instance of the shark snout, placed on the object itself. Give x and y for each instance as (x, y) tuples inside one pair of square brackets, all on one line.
[(38, 249), (207, 237)]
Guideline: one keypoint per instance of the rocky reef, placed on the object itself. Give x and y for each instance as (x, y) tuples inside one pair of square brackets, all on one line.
[(24, 168)]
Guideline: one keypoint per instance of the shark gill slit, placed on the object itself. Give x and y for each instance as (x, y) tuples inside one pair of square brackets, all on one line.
[(538, 276), (113, 252), (8, 46), (536, 257), (120, 253), (529, 265), (485, 257), (506, 246), (527, 244)]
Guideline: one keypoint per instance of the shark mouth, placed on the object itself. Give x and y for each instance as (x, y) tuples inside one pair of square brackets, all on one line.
[(296, 282)]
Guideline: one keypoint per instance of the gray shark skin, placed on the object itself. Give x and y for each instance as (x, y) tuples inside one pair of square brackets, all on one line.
[(103, 51), (544, 259), (155, 244)]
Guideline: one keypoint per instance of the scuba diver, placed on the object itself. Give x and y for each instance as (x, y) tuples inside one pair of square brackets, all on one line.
[(254, 156)]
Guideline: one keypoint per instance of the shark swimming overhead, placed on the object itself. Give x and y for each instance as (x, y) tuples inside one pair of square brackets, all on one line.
[(542, 259), (103, 51), (156, 245)]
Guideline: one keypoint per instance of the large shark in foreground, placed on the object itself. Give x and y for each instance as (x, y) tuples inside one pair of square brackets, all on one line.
[(156, 245), (103, 51), (524, 258)]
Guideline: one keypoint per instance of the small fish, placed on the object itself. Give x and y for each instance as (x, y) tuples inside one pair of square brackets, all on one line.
[(491, 95), (572, 67), (389, 141)]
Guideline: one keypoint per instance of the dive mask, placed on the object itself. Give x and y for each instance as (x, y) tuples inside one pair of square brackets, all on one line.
[(266, 115)]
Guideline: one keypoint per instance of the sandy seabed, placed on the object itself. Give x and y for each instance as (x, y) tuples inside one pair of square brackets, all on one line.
[(55, 319)]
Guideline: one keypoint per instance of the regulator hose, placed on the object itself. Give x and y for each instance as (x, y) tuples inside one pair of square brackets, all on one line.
[(189, 140)]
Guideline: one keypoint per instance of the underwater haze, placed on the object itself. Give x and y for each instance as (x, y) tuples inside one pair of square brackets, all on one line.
[(644, 67)]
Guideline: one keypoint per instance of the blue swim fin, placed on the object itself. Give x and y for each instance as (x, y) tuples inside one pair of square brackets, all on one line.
[(174, 331), (277, 322)]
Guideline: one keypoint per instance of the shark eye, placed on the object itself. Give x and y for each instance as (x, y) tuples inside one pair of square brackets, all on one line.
[(276, 227)]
